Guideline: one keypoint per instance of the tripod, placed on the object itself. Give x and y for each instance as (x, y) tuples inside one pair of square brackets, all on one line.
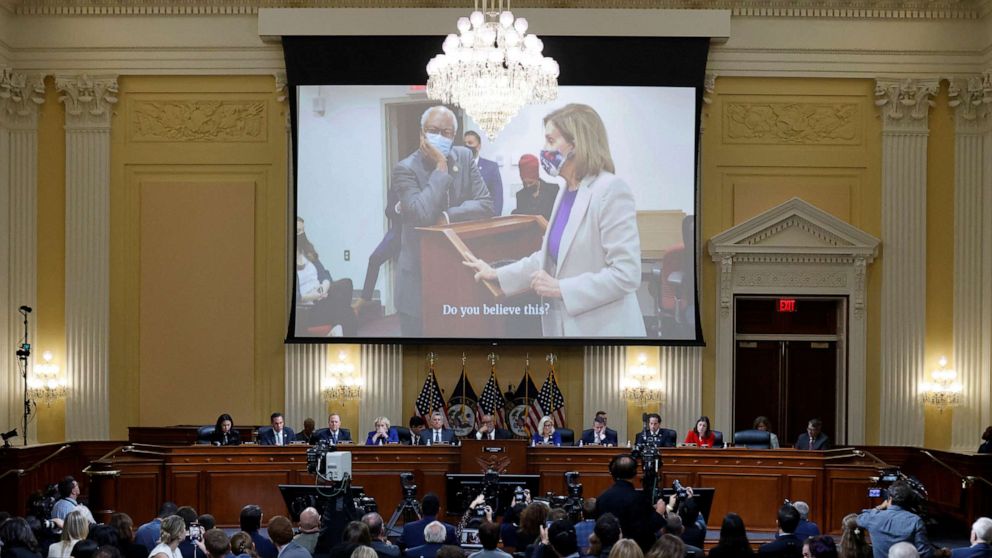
[(409, 510)]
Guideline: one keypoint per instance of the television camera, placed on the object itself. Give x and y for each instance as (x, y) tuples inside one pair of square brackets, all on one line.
[(573, 502), (409, 507), (889, 475), (648, 452)]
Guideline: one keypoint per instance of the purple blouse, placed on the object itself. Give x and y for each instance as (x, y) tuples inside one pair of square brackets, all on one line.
[(561, 219)]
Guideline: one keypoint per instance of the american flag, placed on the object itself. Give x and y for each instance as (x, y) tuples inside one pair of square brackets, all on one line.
[(552, 401), (430, 399), (492, 402)]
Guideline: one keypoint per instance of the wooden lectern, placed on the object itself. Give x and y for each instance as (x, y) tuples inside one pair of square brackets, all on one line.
[(449, 286), (507, 457)]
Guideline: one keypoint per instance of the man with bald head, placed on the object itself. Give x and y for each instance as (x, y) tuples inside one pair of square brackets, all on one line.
[(309, 529), (437, 184)]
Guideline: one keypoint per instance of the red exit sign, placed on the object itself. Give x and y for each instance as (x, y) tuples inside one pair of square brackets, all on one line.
[(786, 305)]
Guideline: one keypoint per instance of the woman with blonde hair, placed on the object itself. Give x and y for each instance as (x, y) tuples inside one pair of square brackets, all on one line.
[(626, 548), (172, 532), (589, 265), (74, 529), (852, 540), (383, 433), (546, 433), (667, 546), (362, 551)]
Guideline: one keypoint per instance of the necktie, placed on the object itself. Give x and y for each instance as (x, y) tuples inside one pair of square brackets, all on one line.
[(334, 437), (811, 442), (437, 436), (278, 438)]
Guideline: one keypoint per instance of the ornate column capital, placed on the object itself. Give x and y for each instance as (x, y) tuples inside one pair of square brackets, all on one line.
[(905, 104), (88, 100), (20, 97), (971, 99)]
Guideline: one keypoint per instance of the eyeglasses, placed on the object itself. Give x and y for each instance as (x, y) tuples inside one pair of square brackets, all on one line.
[(446, 132)]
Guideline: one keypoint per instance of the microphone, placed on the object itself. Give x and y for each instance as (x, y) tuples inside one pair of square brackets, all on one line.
[(25, 309)]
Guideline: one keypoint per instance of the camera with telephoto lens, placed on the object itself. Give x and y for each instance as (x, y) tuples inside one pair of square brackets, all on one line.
[(41, 502), (490, 492), (365, 503), (573, 503), (887, 477), (519, 495)]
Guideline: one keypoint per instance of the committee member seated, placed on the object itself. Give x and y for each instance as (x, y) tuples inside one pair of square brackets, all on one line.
[(279, 435), (382, 434), (308, 433), (640, 518), (546, 433), (986, 446), (981, 538), (599, 434), (334, 433), (701, 435), (813, 438), (417, 427), (413, 532), (224, 432), (437, 433), (655, 433), (488, 431), (786, 543), (763, 424)]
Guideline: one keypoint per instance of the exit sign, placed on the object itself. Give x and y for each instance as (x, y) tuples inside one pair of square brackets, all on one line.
[(786, 305)]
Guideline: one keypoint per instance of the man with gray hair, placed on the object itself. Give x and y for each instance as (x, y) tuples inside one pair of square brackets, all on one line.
[(437, 184), (903, 550), (383, 548), (806, 528), (981, 538), (309, 529), (434, 535), (437, 433)]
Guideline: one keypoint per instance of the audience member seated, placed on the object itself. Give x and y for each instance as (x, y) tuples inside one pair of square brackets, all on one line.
[(225, 433), (216, 543), (124, 526), (701, 435), (437, 433), (605, 534), (450, 551), (74, 529), (83, 549), (147, 535), (251, 522), (417, 426), (173, 532), (278, 434), (489, 538), (813, 438), (598, 434), (413, 532), (693, 524), (17, 539), (377, 532), (364, 552), (68, 493), (981, 539), (206, 521), (307, 434), (488, 431), (382, 434), (188, 546), (664, 437), (103, 535), (786, 544), (819, 547), (242, 546), (626, 548), (355, 534), (334, 433), (281, 533), (986, 446), (546, 433), (107, 551), (673, 526), (762, 423), (733, 539), (561, 539), (903, 550), (891, 522), (309, 529), (434, 536), (586, 525), (852, 539), (639, 518), (806, 529), (667, 546)]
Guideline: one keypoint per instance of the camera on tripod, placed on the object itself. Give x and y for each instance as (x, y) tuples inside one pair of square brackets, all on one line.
[(573, 503), (408, 485)]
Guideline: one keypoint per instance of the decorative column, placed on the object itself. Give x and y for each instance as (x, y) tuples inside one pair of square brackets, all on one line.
[(904, 108), (305, 365), (20, 97), (603, 372), (88, 106), (382, 384), (972, 277), (682, 385)]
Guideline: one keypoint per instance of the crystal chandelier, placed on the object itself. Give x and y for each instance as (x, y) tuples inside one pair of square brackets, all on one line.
[(944, 391), (642, 386), (341, 383), (492, 68), (46, 386)]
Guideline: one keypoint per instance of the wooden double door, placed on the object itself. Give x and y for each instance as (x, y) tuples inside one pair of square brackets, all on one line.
[(789, 368)]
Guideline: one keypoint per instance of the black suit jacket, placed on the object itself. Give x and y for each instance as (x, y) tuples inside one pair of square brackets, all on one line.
[(611, 437), (268, 437), (501, 434), (233, 438), (344, 435), (447, 435), (413, 532), (668, 438), (634, 510), (784, 546), (822, 442), (423, 551)]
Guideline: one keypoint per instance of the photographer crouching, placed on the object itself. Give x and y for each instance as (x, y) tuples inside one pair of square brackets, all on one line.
[(892, 522)]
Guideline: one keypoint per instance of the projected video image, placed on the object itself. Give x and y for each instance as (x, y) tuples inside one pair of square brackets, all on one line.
[(575, 222)]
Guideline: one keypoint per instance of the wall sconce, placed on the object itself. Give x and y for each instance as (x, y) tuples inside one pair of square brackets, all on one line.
[(944, 391), (642, 384), (45, 385), (341, 383)]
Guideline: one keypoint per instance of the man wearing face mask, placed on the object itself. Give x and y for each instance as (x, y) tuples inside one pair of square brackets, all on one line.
[(488, 169), (436, 185)]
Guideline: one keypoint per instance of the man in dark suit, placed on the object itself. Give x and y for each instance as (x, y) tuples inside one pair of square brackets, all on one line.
[(281, 533), (786, 544), (279, 435), (437, 433), (488, 430), (598, 434), (434, 536), (383, 548), (813, 438), (981, 538), (309, 432), (437, 184), (661, 436), (250, 522), (413, 533), (639, 517), (334, 433), (488, 169), (417, 427)]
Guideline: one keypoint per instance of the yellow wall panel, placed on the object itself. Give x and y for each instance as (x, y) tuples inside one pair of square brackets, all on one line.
[(753, 193)]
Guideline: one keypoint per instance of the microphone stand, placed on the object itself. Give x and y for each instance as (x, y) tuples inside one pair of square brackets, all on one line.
[(22, 356)]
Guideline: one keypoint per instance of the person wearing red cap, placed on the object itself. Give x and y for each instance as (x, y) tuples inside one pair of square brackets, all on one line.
[(537, 196)]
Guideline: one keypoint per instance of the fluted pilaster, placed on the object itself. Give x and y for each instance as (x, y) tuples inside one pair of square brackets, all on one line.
[(305, 365), (382, 391), (681, 370), (603, 371), (904, 107), (19, 205), (972, 278), (88, 105)]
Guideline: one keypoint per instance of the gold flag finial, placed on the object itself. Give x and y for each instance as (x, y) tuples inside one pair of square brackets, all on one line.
[(431, 358), (493, 357)]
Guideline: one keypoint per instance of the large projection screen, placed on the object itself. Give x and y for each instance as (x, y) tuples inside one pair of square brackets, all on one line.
[(384, 229)]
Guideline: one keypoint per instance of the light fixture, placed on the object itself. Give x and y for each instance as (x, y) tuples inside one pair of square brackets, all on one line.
[(492, 67), (642, 384), (944, 391), (45, 385), (341, 383)]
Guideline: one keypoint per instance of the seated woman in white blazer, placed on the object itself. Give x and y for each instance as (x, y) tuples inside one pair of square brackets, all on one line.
[(589, 264)]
